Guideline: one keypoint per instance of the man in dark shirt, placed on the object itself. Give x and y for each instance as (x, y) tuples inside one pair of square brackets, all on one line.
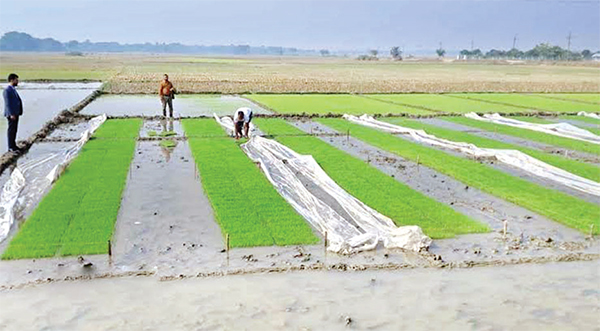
[(13, 109)]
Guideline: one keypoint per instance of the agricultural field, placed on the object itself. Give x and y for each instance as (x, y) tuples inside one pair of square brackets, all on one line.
[(593, 98), (541, 137), (531, 102), (330, 103), (373, 187), (135, 74), (246, 206), (445, 103), (579, 168), (558, 206), (78, 215)]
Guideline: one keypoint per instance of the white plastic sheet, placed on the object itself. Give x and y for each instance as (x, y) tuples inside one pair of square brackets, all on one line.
[(227, 123), (11, 198), (558, 129), (591, 115), (513, 158), (362, 228)]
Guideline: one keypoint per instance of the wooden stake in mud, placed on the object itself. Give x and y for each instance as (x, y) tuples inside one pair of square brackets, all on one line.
[(348, 136), (325, 242), (109, 253), (418, 161), (592, 231), (227, 242), (505, 228)]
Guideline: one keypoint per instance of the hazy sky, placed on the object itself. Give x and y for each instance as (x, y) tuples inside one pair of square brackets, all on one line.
[(347, 25)]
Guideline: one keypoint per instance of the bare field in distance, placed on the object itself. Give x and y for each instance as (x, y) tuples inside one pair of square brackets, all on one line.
[(140, 73)]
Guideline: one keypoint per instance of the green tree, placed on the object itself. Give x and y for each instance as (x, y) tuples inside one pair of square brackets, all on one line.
[(440, 52), (396, 53)]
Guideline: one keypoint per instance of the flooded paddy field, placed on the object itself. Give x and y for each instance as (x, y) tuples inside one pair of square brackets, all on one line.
[(183, 105), (43, 101), (169, 254)]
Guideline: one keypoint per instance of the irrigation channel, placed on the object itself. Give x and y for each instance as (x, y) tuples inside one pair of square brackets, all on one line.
[(167, 253)]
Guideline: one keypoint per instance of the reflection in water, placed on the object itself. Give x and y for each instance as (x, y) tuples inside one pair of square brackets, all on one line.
[(166, 124)]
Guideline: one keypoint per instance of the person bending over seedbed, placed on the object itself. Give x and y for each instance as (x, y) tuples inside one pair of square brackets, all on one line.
[(242, 119), (166, 92)]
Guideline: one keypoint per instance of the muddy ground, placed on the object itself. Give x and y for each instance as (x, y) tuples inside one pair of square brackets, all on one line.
[(554, 296)]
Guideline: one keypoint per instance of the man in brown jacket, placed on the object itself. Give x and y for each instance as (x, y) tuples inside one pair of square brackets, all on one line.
[(166, 92)]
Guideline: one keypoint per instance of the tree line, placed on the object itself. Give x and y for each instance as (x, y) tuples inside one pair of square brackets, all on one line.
[(23, 42)]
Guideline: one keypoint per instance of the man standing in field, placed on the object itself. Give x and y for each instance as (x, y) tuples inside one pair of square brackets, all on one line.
[(13, 109), (166, 92), (242, 118)]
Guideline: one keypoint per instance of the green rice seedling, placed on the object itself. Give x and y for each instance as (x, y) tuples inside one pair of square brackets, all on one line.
[(530, 102), (246, 205), (558, 206), (445, 103), (330, 103), (576, 97), (582, 169), (168, 133), (77, 216), (541, 137), (376, 189), (152, 133)]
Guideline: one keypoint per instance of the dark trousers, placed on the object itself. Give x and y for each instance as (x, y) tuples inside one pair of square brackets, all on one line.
[(12, 132)]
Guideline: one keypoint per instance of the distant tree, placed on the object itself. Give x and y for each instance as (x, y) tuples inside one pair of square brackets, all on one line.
[(586, 54), (514, 54), (396, 53), (374, 53), (440, 52), (324, 52)]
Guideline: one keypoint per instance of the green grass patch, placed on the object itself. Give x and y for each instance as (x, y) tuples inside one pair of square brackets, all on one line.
[(582, 169), (541, 137), (246, 205), (445, 103), (78, 214), (152, 133), (528, 102), (558, 206), (376, 189), (330, 103)]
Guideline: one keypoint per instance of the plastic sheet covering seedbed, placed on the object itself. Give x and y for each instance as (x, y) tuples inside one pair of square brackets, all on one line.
[(513, 158), (591, 115), (365, 228), (11, 197), (558, 129)]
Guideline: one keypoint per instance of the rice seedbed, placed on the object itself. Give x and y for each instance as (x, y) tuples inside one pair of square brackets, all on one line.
[(167, 143), (330, 103), (529, 102), (581, 119), (78, 214), (541, 137), (376, 189), (558, 206), (444, 103), (246, 205), (577, 97), (541, 120), (582, 169)]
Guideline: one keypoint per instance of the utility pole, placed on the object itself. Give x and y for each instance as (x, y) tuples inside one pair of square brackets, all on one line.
[(471, 44), (514, 42), (569, 42)]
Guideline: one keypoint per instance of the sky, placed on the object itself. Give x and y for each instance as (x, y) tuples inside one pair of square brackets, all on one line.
[(333, 24)]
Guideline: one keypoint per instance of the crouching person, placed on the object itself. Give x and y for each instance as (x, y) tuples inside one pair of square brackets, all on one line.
[(242, 119)]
